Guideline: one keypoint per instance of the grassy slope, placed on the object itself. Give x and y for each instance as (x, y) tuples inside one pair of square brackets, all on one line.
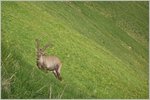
[(103, 47)]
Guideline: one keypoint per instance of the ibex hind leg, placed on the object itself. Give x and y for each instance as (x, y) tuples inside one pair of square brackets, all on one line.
[(58, 72), (59, 68)]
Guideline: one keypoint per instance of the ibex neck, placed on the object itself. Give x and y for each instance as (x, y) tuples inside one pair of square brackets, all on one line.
[(39, 57)]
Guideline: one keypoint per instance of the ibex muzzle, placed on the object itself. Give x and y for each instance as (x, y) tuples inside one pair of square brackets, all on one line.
[(48, 63)]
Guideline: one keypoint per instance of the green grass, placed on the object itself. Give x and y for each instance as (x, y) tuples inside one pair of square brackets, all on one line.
[(103, 47)]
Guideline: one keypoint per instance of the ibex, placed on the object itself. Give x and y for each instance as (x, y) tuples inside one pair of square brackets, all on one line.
[(48, 63)]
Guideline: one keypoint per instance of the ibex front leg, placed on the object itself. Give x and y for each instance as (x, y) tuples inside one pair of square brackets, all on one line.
[(58, 75), (42, 68), (58, 67)]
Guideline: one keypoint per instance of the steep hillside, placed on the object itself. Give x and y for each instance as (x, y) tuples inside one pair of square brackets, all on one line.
[(103, 47)]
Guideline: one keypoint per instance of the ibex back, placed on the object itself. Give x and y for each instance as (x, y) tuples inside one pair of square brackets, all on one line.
[(48, 63)]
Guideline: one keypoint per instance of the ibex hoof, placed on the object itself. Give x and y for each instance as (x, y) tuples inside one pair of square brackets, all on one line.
[(60, 79)]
